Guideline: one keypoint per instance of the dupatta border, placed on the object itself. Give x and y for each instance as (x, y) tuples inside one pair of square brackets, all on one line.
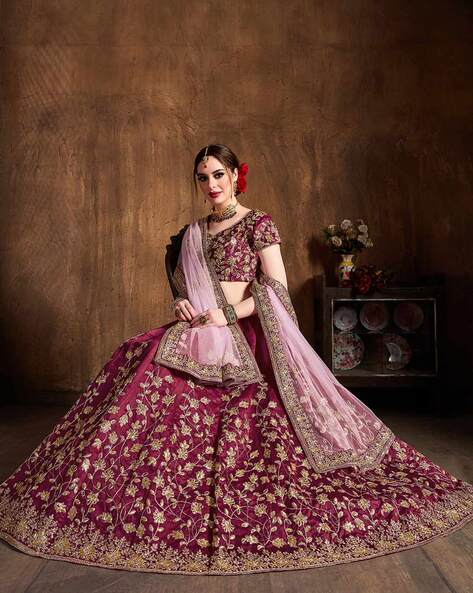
[(228, 375), (320, 460), (282, 293)]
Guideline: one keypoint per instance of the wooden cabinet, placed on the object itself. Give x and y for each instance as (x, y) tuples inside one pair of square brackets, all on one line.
[(392, 337)]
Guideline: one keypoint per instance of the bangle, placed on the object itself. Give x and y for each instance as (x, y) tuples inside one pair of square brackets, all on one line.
[(230, 314), (176, 301)]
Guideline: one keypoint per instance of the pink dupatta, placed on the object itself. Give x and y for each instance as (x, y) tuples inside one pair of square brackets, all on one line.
[(334, 427), (214, 355)]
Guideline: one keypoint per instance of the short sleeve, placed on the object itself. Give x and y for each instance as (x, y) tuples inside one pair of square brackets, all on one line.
[(265, 233)]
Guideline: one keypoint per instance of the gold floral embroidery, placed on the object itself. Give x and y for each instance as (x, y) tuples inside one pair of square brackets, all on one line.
[(90, 547), (265, 232), (233, 250), (210, 482)]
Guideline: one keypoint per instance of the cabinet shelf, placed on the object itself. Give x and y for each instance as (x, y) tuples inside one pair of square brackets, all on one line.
[(390, 337)]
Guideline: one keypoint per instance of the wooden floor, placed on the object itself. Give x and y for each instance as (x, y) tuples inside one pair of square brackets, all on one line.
[(442, 566)]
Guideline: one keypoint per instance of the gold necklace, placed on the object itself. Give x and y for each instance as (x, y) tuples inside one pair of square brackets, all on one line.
[(228, 212)]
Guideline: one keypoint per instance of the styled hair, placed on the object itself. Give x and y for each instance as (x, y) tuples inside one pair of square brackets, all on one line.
[(223, 154)]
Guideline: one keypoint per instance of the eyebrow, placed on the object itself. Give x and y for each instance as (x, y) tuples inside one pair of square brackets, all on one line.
[(213, 172)]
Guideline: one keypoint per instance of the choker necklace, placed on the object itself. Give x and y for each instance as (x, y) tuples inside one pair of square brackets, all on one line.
[(228, 212)]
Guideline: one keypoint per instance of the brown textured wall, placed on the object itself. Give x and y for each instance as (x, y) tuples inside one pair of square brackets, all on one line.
[(341, 109)]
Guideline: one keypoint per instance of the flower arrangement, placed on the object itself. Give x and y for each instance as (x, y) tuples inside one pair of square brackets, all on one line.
[(368, 278), (348, 236)]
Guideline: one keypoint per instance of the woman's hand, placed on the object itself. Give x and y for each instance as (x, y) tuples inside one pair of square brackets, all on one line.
[(184, 311), (214, 317)]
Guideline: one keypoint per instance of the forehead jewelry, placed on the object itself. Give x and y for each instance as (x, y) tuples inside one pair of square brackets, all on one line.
[(205, 158)]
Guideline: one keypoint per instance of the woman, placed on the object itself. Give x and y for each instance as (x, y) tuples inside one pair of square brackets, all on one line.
[(220, 443)]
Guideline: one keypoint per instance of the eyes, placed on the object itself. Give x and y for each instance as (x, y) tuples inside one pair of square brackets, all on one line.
[(204, 177)]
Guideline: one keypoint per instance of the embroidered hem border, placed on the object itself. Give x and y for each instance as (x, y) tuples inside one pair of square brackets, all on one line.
[(227, 375), (92, 548)]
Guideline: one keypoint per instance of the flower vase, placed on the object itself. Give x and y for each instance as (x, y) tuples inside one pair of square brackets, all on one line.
[(344, 268)]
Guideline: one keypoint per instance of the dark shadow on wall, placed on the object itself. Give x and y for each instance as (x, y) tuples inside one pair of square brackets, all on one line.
[(22, 353)]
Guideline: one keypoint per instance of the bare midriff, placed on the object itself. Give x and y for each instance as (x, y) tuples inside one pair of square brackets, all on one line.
[(235, 292)]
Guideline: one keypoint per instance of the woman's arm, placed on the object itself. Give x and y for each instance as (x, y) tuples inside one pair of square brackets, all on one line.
[(272, 265)]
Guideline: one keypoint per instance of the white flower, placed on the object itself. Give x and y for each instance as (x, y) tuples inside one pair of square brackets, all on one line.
[(331, 228), (362, 239), (336, 241), (345, 224), (369, 243), (363, 229)]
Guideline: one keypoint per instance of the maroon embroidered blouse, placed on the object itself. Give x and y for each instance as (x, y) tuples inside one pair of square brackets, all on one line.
[(234, 250)]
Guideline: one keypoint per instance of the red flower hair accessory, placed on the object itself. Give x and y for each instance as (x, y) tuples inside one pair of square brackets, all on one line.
[(241, 181)]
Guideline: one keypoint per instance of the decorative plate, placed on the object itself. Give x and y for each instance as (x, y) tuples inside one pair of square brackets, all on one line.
[(348, 351), (397, 351), (408, 316), (345, 318), (374, 316)]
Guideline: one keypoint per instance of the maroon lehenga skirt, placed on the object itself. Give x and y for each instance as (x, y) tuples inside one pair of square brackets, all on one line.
[(152, 471)]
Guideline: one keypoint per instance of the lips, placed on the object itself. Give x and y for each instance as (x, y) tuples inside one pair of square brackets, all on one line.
[(214, 194)]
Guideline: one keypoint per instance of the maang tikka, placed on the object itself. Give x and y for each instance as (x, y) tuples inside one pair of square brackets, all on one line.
[(205, 158)]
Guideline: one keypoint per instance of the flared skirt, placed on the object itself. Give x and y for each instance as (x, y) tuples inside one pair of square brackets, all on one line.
[(151, 470)]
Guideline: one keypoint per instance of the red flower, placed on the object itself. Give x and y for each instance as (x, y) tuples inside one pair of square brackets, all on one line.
[(241, 181), (368, 278), (364, 284)]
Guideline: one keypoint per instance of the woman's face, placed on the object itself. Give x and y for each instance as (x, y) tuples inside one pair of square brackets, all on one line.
[(215, 182)]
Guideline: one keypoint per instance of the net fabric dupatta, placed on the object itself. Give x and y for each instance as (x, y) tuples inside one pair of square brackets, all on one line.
[(335, 429), (214, 355)]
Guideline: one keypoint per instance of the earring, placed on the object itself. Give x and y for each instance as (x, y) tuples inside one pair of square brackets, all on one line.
[(234, 187)]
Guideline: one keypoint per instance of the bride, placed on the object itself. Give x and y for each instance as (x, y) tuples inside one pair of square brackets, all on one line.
[(220, 443)]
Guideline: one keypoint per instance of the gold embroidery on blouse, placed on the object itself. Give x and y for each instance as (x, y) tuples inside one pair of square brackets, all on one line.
[(234, 250)]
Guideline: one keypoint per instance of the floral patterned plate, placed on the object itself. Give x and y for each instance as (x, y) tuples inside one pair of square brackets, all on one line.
[(345, 318), (408, 316), (348, 351), (374, 316)]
